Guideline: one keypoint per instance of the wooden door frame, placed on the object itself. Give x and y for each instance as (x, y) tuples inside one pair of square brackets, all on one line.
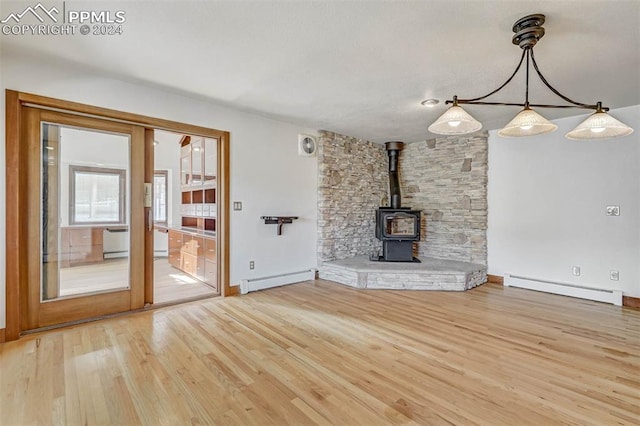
[(41, 314), (16, 188)]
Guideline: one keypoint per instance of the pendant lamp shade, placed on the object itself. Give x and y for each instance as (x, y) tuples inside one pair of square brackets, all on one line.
[(527, 123), (599, 125), (455, 121), (528, 31)]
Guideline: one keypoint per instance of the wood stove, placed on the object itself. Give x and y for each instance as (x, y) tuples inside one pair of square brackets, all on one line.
[(396, 226)]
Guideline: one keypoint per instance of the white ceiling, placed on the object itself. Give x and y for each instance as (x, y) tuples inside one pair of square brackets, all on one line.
[(360, 68)]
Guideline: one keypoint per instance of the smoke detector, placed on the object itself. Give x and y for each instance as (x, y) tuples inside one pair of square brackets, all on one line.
[(307, 145)]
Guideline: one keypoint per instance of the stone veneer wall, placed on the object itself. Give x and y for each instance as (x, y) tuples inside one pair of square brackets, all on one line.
[(352, 183), (446, 178)]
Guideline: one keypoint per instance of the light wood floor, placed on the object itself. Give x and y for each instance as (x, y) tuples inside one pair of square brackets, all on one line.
[(322, 353), (170, 284), (112, 274)]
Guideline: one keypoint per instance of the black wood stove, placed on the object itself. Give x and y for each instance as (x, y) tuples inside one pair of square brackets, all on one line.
[(396, 226)]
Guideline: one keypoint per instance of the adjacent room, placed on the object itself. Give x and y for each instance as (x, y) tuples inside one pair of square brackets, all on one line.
[(320, 212)]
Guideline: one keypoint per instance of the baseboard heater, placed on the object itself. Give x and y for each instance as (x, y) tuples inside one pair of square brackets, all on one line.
[(121, 254), (255, 284), (116, 254), (598, 294)]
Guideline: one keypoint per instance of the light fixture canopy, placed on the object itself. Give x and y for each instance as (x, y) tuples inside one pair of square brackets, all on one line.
[(528, 31)]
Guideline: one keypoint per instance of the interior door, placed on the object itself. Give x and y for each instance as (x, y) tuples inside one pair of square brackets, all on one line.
[(86, 223)]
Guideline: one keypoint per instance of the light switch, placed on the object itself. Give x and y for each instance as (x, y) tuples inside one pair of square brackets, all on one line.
[(237, 205)]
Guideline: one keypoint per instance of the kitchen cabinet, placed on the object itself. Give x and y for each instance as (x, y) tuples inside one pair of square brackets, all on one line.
[(81, 245), (194, 254)]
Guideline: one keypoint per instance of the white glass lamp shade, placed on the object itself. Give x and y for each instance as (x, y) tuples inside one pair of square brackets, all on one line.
[(527, 123), (455, 121), (599, 125)]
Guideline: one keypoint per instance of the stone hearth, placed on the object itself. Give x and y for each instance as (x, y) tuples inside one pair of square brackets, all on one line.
[(430, 274)]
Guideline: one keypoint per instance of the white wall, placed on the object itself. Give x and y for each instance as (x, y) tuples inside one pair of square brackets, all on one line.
[(547, 199), (267, 174)]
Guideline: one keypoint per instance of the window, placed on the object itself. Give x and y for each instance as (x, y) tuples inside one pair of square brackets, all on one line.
[(96, 195), (160, 180)]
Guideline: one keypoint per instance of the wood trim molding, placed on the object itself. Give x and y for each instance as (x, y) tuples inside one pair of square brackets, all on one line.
[(137, 222), (15, 270), (128, 118), (631, 302), (222, 232), (495, 279), (149, 174), (2, 335)]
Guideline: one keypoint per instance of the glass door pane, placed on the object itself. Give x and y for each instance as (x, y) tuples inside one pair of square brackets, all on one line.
[(196, 161), (86, 199), (210, 160)]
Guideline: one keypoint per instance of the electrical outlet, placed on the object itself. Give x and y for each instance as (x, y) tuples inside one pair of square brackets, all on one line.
[(613, 210), (237, 205), (252, 264), (576, 271), (614, 275)]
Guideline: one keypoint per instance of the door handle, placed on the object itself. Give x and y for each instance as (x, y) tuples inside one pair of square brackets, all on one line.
[(150, 220)]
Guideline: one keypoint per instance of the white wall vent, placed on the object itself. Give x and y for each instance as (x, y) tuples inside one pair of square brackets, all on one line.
[(307, 145)]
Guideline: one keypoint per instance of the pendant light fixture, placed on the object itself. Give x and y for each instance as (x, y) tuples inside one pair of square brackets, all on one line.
[(528, 30)]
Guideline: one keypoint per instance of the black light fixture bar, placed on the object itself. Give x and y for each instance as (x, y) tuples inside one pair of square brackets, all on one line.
[(467, 102), (477, 101)]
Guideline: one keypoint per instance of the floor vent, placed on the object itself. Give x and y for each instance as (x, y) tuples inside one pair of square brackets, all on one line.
[(255, 284), (598, 294)]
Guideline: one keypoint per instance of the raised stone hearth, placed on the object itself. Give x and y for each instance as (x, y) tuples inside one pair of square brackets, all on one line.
[(430, 274)]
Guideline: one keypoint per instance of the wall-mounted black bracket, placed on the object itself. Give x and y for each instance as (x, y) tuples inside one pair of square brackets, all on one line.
[(278, 220)]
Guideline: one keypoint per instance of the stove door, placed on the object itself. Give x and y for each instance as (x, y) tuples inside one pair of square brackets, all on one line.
[(400, 225)]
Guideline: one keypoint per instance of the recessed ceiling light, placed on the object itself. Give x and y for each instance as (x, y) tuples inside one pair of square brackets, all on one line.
[(430, 102)]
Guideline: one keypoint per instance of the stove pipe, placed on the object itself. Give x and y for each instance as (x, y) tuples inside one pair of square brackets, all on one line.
[(393, 150)]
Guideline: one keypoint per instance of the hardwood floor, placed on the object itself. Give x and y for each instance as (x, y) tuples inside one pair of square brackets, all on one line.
[(112, 274), (318, 352), (170, 284)]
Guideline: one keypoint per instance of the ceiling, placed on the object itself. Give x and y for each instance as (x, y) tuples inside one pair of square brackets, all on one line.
[(360, 68)]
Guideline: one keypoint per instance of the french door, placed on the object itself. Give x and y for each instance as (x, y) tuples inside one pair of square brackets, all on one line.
[(86, 224)]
